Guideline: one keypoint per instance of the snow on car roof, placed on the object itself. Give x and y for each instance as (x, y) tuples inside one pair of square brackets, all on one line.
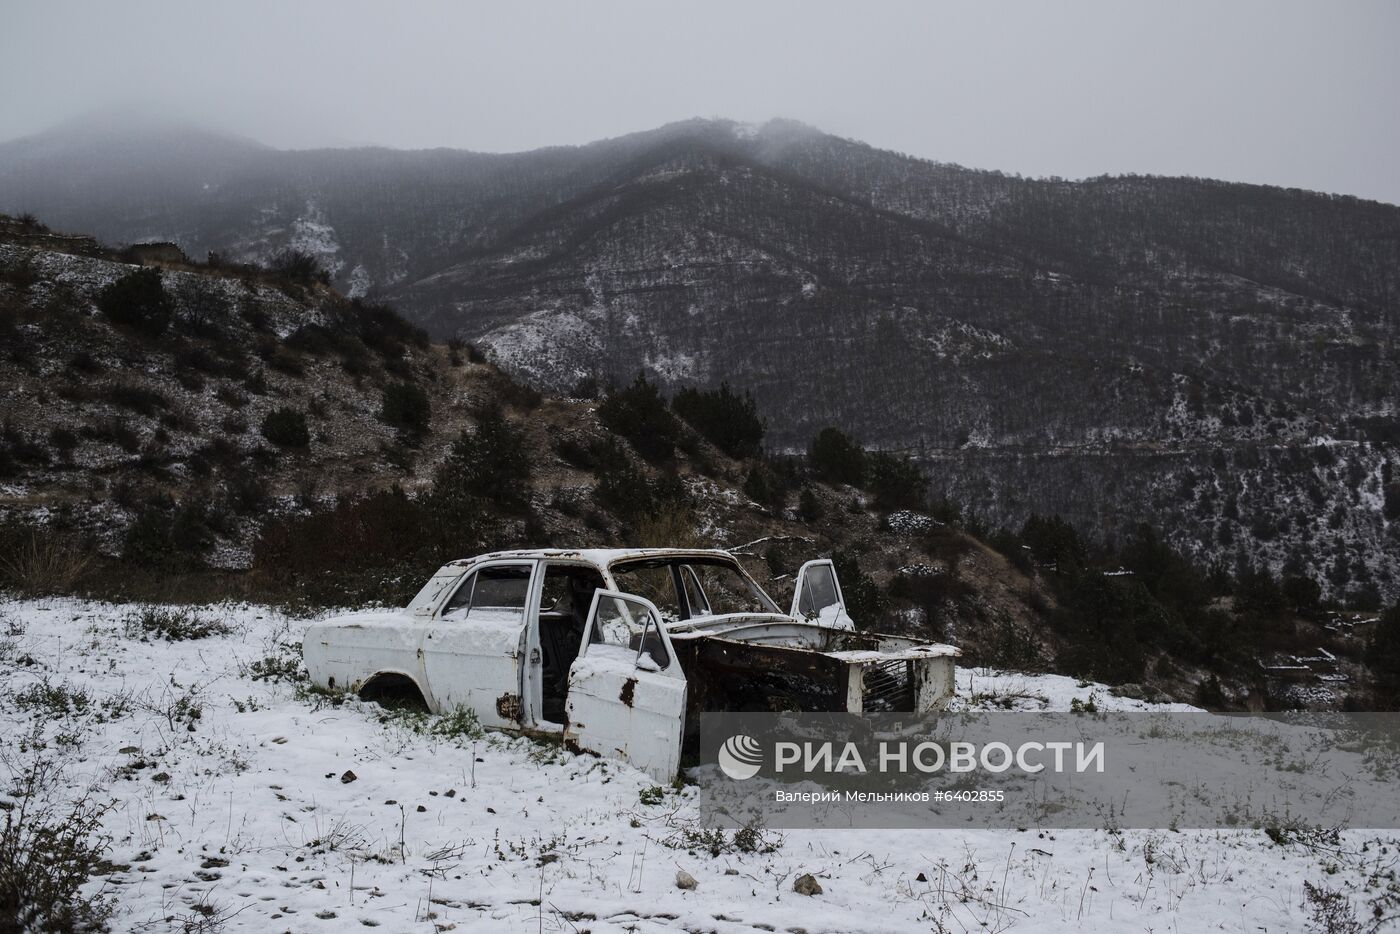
[(598, 556)]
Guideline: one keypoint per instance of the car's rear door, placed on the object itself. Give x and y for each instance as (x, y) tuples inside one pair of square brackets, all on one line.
[(473, 646), (626, 690), (817, 596)]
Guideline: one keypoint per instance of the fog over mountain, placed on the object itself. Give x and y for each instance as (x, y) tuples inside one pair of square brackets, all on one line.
[(1214, 358), (1283, 92)]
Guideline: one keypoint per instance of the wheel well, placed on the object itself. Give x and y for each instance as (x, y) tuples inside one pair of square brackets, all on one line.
[(391, 689)]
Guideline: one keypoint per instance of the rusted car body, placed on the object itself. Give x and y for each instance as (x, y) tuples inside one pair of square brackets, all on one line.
[(617, 650)]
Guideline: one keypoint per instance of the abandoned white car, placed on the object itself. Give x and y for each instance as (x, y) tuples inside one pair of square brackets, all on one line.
[(616, 651)]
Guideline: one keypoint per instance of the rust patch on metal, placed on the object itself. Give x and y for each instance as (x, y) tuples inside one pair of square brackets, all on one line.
[(508, 706), (629, 688)]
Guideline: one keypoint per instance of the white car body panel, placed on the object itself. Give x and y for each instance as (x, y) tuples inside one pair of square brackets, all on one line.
[(345, 652)]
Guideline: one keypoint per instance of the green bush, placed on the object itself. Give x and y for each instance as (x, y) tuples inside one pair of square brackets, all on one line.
[(639, 414), (769, 482), (576, 451), (835, 457), (318, 340), (931, 593), (138, 301), (379, 327), (896, 482), (1210, 694), (138, 399), (286, 428), (168, 536), (1259, 595), (621, 483), (628, 493), (114, 431), (17, 448), (374, 548), (63, 441), (1012, 548), (1052, 540), (1004, 644), (361, 549), (175, 624), (490, 464), (865, 603), (728, 420), (22, 275), (1383, 656), (406, 407), (1108, 624)]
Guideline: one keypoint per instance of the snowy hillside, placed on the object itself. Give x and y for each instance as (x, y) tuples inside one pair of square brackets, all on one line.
[(239, 801)]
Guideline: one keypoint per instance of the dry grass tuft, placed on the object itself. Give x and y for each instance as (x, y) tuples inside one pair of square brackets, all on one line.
[(40, 563)]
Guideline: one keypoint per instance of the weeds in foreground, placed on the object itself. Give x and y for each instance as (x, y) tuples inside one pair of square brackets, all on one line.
[(1011, 697), (1090, 706), (339, 837), (47, 852), (962, 897), (282, 662), (1330, 911), (60, 701), (174, 624), (180, 707), (750, 838), (460, 724), (1318, 839)]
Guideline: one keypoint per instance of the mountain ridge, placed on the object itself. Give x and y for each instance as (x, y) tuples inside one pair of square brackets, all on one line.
[(1233, 332)]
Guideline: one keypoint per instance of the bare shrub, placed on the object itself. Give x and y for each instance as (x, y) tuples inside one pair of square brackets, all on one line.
[(47, 852), (41, 562), (1329, 911), (751, 838)]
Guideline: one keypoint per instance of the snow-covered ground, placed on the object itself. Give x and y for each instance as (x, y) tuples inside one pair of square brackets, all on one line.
[(242, 803)]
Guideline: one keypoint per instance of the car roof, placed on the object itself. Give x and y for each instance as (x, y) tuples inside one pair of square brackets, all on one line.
[(602, 557)]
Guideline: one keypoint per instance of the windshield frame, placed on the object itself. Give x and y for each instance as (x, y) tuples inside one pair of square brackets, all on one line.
[(672, 561)]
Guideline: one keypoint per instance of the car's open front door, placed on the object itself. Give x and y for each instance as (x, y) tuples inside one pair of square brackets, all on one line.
[(817, 596), (626, 690)]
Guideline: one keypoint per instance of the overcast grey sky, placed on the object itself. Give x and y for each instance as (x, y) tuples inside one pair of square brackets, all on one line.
[(1276, 91)]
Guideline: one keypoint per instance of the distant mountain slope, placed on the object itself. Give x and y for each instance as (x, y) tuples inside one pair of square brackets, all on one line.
[(1217, 358)]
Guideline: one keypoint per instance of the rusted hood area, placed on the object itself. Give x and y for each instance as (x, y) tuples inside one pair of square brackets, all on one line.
[(785, 632)]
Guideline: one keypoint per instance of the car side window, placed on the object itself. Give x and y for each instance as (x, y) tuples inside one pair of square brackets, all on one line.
[(628, 625), (496, 593), (818, 591)]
